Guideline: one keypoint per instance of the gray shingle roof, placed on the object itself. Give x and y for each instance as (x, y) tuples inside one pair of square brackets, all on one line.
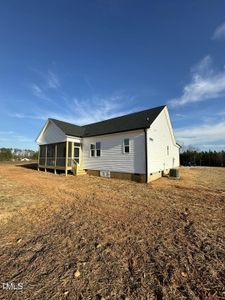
[(139, 120), (69, 129)]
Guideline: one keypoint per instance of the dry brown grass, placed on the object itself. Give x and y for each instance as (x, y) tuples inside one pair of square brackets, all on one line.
[(95, 238)]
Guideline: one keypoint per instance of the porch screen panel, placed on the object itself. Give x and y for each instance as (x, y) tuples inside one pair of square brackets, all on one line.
[(70, 154), (42, 155), (51, 155), (61, 154)]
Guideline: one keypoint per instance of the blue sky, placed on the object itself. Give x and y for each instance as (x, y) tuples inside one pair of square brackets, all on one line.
[(84, 61)]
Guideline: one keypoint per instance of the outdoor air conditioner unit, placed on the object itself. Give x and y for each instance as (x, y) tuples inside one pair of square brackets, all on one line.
[(104, 173)]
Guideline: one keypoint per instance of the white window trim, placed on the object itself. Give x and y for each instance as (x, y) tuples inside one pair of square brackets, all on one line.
[(95, 150), (98, 149), (126, 146), (92, 150)]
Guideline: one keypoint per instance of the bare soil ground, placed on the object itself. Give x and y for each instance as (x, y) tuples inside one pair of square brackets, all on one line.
[(97, 238)]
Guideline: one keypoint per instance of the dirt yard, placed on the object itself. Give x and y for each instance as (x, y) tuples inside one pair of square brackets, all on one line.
[(97, 238)]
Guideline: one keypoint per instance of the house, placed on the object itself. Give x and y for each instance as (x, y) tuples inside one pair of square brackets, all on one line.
[(140, 146), (25, 159)]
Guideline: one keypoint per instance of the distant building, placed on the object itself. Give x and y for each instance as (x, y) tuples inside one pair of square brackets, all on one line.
[(25, 159)]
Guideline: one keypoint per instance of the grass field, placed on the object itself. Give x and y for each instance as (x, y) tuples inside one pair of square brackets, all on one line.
[(97, 238)]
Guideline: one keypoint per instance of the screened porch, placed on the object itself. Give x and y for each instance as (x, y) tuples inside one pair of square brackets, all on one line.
[(60, 156)]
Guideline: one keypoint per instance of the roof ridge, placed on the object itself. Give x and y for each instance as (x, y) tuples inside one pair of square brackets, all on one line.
[(136, 112), (64, 122), (133, 113), (133, 121)]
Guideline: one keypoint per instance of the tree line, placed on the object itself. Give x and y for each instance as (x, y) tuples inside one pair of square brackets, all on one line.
[(7, 155), (190, 157), (202, 158)]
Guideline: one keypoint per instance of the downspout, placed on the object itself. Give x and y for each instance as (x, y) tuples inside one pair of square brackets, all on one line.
[(146, 155)]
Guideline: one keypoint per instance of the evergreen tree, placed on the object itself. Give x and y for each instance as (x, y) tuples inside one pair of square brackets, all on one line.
[(5, 154), (193, 157)]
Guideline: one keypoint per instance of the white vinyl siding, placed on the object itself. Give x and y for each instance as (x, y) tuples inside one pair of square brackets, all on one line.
[(163, 153), (112, 155), (51, 134)]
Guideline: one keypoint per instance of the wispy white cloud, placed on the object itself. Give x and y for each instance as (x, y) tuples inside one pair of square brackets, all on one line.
[(219, 33), (98, 108), (180, 115), (216, 147), (201, 134), (6, 135), (27, 116), (22, 138), (6, 132), (221, 113), (206, 83), (44, 115), (85, 111), (39, 92), (48, 79), (11, 136), (17, 115), (52, 80), (4, 139)]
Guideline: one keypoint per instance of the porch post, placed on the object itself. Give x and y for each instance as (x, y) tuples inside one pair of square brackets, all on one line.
[(66, 158), (72, 151)]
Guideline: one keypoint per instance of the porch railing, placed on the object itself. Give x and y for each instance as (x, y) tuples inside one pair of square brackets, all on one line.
[(52, 161), (70, 162), (58, 161)]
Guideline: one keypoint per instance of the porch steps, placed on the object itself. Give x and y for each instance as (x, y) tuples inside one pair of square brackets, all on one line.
[(81, 172)]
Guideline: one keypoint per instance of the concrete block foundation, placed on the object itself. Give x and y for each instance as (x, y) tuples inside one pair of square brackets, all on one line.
[(120, 175)]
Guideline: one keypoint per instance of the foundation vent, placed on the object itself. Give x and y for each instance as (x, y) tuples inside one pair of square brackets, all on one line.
[(104, 173)]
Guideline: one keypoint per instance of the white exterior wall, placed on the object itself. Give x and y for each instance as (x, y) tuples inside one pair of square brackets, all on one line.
[(112, 157), (159, 136), (51, 134)]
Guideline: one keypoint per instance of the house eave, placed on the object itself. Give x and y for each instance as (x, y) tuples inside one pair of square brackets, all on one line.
[(120, 131)]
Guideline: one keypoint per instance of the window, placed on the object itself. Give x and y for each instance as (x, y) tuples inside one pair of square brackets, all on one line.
[(95, 149), (126, 146), (168, 150), (92, 150), (98, 149)]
